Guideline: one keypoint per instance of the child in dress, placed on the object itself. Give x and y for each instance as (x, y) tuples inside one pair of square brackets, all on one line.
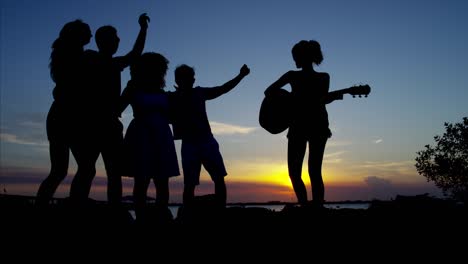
[(149, 139)]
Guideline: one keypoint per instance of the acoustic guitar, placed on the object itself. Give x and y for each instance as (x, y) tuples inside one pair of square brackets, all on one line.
[(275, 109)]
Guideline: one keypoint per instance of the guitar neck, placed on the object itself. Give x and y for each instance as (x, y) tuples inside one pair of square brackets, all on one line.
[(339, 92), (354, 90), (335, 95)]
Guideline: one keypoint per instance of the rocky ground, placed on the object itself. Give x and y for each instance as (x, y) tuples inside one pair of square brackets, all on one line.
[(404, 224)]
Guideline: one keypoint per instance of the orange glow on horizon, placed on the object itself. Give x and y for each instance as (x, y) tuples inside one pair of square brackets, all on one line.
[(276, 174)]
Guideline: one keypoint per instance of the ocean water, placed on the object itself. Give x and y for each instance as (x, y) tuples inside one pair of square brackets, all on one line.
[(279, 207)]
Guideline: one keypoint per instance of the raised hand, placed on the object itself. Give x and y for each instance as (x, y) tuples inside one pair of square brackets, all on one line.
[(143, 20), (244, 71)]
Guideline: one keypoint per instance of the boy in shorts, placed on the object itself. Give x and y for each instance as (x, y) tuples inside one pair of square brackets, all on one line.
[(190, 124)]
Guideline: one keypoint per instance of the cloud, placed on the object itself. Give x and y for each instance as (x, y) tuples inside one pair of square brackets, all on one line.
[(334, 157), (403, 170), (378, 141), (14, 139), (25, 129), (389, 164), (217, 128), (34, 119), (32, 124), (227, 129), (378, 183), (380, 188), (334, 154), (334, 143)]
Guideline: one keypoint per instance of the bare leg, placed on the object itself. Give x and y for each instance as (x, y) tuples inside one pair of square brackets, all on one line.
[(86, 157), (112, 156), (220, 192), (189, 194), (316, 151), (162, 192), (112, 161), (59, 157), (296, 152), (140, 189)]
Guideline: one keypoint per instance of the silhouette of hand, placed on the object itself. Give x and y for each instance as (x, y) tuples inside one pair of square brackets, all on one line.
[(244, 71), (143, 20)]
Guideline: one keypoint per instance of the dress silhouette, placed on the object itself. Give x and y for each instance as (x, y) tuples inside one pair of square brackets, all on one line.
[(149, 140), (190, 124), (67, 69), (309, 118)]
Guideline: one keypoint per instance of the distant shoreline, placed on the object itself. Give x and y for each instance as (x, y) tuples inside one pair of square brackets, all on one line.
[(127, 199)]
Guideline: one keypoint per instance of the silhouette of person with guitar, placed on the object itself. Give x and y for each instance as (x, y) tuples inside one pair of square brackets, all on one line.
[(308, 118)]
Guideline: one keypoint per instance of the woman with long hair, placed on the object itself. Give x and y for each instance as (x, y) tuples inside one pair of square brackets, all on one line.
[(66, 69)]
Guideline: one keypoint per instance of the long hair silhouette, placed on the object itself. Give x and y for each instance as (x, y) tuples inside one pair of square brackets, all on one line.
[(65, 62)]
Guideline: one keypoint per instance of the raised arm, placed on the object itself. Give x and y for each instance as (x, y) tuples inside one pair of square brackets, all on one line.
[(139, 45), (228, 86)]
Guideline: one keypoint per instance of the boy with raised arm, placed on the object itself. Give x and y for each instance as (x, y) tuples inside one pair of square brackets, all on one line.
[(190, 124)]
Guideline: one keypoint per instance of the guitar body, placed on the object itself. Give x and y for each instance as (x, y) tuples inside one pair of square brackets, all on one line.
[(275, 111)]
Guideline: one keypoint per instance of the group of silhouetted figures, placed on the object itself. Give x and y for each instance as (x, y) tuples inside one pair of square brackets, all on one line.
[(88, 102)]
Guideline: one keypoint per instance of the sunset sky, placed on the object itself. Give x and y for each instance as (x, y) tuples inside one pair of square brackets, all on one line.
[(413, 54)]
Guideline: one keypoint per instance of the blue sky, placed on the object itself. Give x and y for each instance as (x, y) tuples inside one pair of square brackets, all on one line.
[(412, 53)]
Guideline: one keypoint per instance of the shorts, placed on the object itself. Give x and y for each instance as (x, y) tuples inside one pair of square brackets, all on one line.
[(204, 152)]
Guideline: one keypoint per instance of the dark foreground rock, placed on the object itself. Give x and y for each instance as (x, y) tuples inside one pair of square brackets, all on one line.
[(400, 226)]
